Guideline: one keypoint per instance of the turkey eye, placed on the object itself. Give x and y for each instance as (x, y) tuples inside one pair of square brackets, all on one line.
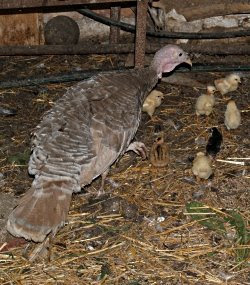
[(180, 54)]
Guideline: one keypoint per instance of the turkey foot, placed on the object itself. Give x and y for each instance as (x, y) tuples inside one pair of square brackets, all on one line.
[(139, 148)]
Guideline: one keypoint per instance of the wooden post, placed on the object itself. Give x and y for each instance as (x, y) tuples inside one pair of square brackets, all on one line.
[(115, 14)]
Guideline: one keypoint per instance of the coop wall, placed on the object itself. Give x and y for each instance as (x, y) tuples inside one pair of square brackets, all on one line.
[(21, 29)]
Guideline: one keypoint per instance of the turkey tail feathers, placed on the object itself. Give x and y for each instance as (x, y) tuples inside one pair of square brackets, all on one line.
[(42, 210)]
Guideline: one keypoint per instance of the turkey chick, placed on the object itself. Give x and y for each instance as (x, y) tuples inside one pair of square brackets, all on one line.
[(202, 166), (228, 84), (152, 101), (159, 153), (205, 102), (232, 116)]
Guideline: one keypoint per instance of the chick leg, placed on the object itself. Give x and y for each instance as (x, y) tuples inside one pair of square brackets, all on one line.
[(198, 180), (155, 119), (139, 148), (197, 118)]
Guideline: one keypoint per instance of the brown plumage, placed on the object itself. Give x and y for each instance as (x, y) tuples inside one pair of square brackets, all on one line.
[(80, 138), (159, 153)]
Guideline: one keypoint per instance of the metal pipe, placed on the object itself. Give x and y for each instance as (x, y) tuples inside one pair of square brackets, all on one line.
[(81, 75)]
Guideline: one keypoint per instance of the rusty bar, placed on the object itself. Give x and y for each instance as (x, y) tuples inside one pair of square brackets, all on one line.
[(115, 14), (21, 4), (140, 44)]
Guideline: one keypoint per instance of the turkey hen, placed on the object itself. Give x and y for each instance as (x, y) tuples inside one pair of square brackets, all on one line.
[(86, 130)]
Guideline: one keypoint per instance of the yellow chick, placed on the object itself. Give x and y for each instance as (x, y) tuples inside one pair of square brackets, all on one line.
[(205, 102), (228, 84), (202, 166), (152, 101), (232, 116)]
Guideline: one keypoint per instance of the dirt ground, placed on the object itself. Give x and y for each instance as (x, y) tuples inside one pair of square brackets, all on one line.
[(147, 229)]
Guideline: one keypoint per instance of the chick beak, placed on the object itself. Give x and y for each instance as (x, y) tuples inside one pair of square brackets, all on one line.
[(188, 61)]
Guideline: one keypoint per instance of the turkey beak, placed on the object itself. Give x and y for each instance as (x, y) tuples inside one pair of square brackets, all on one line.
[(188, 61)]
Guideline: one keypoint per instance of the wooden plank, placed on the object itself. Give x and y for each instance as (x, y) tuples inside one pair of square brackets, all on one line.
[(20, 29), (21, 4), (114, 35), (201, 47)]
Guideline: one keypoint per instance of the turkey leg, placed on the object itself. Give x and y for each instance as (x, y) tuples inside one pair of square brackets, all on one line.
[(101, 189)]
